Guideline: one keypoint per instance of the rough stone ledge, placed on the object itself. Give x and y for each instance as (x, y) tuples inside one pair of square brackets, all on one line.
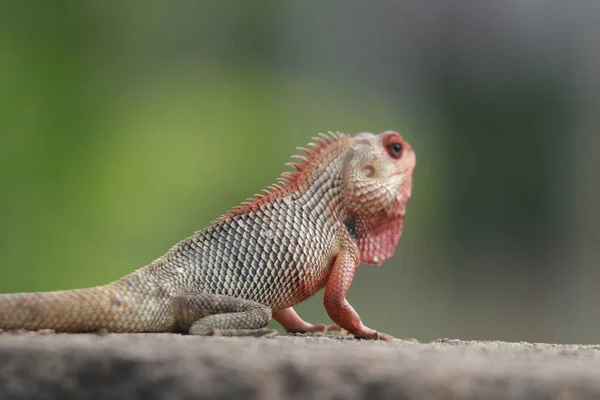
[(168, 366)]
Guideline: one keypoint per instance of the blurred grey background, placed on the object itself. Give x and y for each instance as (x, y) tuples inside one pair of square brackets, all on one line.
[(126, 126)]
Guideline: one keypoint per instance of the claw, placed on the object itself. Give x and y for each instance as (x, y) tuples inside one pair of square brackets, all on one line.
[(374, 335), (383, 336)]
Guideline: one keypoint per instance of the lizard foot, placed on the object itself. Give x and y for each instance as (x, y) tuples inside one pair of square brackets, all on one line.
[(310, 328), (294, 324), (374, 335)]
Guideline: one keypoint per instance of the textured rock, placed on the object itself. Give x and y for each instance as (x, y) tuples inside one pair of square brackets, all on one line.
[(168, 366)]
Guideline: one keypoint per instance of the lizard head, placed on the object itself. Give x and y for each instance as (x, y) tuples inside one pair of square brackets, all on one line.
[(378, 181)]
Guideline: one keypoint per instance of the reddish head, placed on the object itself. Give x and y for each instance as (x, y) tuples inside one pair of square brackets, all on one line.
[(378, 185)]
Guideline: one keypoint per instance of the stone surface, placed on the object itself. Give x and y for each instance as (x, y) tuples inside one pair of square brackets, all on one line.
[(169, 366)]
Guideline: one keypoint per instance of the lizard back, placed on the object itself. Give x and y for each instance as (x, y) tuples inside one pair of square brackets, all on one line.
[(278, 255)]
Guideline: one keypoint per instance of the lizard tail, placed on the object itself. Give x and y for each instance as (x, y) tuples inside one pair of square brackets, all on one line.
[(79, 310)]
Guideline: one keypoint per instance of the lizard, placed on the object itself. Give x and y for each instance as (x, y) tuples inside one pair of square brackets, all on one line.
[(343, 204)]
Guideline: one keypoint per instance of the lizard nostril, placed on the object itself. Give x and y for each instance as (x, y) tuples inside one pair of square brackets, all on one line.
[(369, 171)]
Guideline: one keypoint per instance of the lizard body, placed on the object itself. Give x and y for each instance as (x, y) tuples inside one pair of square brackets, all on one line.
[(344, 204)]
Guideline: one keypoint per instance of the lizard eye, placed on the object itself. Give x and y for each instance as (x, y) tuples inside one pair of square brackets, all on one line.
[(395, 149)]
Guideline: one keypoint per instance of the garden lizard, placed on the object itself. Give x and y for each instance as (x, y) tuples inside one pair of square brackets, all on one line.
[(344, 203)]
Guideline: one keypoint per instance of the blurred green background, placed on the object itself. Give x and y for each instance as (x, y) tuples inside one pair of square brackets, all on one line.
[(126, 126)]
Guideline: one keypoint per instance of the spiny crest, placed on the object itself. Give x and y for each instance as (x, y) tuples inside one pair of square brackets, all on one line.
[(289, 180)]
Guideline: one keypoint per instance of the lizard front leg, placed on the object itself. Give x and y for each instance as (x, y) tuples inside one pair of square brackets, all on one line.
[(291, 321), (338, 308), (218, 315)]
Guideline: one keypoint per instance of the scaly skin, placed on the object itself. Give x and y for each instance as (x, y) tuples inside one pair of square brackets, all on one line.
[(344, 204)]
